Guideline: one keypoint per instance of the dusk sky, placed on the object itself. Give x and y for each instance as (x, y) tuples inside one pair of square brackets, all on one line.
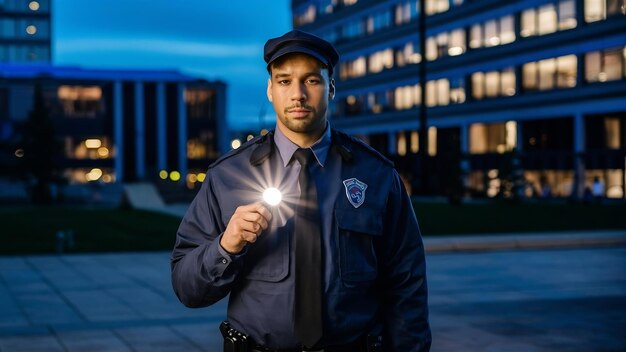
[(217, 40)]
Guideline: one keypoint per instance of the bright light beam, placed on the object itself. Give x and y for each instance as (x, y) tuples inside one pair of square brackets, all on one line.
[(272, 196)]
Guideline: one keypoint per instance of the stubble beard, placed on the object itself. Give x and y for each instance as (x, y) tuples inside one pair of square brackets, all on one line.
[(310, 124)]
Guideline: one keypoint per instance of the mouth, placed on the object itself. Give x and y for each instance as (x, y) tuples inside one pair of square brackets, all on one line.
[(299, 112)]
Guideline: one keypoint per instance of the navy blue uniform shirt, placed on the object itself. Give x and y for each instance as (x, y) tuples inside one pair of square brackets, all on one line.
[(374, 269)]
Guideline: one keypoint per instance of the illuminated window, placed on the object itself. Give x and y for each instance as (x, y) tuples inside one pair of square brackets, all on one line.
[(401, 143), (407, 97), (598, 10), (33, 6), (567, 14), (493, 84), (406, 12), (446, 44), (79, 101), (353, 69), (493, 32), (612, 130), (606, 65), (86, 175), (547, 19), (432, 141), (493, 138), (408, 55), (436, 6), (96, 147), (550, 73), (196, 149), (304, 16), (443, 92), (199, 103), (381, 60)]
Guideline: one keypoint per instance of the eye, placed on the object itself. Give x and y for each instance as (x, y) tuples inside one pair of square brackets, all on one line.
[(283, 82), (313, 81)]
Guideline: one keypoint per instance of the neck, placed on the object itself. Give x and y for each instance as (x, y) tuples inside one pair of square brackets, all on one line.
[(302, 139)]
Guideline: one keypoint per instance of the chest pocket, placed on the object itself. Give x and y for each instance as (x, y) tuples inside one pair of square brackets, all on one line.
[(357, 229), (268, 257)]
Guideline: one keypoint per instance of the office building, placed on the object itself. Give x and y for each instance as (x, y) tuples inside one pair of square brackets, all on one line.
[(522, 97), (117, 125), (25, 31)]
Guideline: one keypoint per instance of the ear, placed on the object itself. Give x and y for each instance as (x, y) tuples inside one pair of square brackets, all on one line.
[(269, 90), (331, 89)]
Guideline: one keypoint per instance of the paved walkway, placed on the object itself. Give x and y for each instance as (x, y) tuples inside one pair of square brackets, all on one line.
[(495, 300)]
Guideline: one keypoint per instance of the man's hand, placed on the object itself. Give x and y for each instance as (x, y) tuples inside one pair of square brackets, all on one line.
[(245, 226)]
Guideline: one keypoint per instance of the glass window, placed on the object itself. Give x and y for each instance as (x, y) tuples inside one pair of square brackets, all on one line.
[(566, 77), (612, 63), (457, 91), (594, 10), (567, 14), (508, 82), (476, 35), (431, 49), (431, 94), (491, 33), (199, 103), (492, 80), (478, 85), (547, 19), (547, 70), (507, 29), (78, 101), (443, 92), (457, 42), (529, 23), (529, 73), (593, 66)]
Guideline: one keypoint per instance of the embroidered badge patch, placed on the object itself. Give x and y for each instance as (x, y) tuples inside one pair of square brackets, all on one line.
[(355, 191)]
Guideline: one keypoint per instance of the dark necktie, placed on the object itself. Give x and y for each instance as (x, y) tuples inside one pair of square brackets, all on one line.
[(308, 280)]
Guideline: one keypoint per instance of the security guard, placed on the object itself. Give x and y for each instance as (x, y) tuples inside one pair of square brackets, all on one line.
[(338, 264)]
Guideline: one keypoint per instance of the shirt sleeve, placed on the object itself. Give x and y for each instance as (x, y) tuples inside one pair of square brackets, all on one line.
[(405, 320), (202, 271)]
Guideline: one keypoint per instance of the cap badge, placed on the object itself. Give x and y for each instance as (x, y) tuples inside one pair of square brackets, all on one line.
[(355, 191)]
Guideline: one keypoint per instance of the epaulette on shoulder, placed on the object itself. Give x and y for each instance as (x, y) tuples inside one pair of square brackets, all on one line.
[(353, 141), (254, 141)]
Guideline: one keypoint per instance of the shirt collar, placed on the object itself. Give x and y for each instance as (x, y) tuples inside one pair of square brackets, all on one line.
[(286, 148)]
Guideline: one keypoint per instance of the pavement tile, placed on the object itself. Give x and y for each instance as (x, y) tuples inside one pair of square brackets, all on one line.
[(155, 338), (45, 343), (92, 341)]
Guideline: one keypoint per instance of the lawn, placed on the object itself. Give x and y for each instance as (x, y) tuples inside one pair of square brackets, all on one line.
[(502, 217), (34, 229), (29, 230)]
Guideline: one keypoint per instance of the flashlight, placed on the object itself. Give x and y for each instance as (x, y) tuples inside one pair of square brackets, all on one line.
[(272, 196)]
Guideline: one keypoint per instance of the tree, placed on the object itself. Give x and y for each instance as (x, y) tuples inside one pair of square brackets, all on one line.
[(41, 150)]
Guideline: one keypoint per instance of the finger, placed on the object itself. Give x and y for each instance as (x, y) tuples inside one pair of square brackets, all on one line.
[(250, 237), (250, 226), (256, 218)]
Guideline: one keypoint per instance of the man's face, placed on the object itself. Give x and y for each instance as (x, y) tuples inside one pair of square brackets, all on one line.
[(299, 88)]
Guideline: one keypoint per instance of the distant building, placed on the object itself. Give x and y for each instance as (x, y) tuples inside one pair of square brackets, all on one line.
[(118, 125), (519, 94), (25, 31)]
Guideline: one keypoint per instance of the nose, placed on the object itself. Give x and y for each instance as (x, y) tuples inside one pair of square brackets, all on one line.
[(298, 92)]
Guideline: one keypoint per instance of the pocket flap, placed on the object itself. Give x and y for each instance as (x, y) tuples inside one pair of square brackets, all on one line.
[(363, 220)]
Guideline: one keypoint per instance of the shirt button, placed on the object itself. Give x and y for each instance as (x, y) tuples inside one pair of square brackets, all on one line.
[(224, 261)]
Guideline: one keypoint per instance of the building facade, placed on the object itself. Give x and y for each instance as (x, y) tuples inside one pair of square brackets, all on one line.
[(25, 31), (114, 125), (523, 97)]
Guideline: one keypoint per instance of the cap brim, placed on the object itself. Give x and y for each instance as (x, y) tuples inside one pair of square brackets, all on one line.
[(298, 49)]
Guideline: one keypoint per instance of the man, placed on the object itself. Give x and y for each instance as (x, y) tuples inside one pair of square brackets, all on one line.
[(339, 264)]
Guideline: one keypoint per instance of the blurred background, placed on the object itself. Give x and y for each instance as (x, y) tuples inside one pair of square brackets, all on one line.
[(504, 118)]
